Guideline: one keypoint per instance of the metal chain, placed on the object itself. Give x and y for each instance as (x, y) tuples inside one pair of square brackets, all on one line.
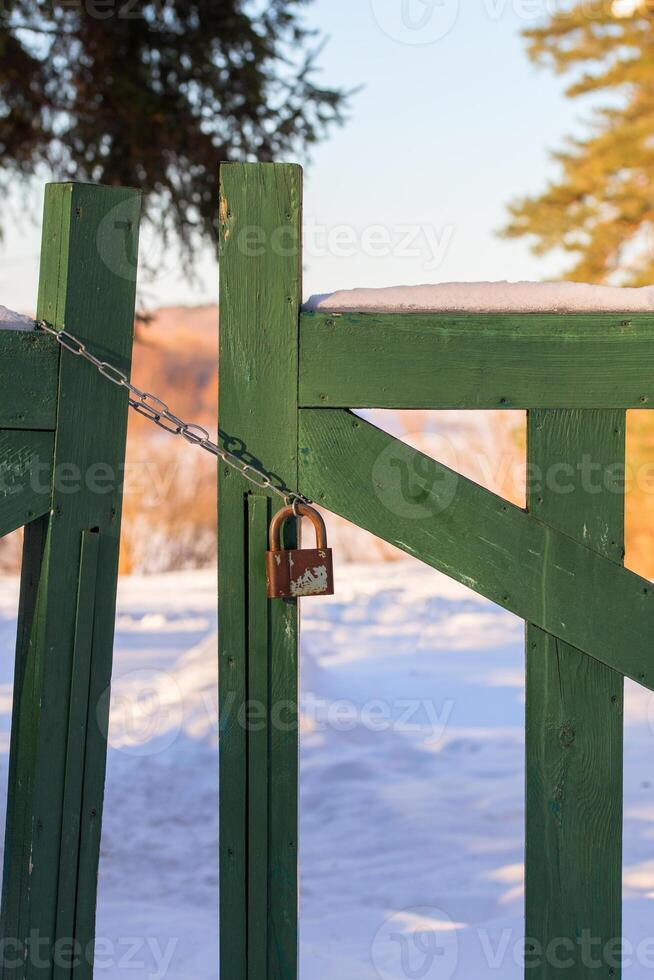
[(157, 411)]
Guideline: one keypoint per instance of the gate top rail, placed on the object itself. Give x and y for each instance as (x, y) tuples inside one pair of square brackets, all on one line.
[(476, 360)]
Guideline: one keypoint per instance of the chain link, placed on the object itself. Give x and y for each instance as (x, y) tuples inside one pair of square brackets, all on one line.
[(158, 412)]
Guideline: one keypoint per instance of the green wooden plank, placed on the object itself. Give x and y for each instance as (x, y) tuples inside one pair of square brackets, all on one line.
[(22, 740), (479, 539), (29, 373), (87, 282), (78, 714), (510, 360), (20, 824), (258, 698), (26, 461), (574, 723), (260, 288), (93, 786)]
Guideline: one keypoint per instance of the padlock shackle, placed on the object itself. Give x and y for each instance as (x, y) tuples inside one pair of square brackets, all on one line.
[(301, 510)]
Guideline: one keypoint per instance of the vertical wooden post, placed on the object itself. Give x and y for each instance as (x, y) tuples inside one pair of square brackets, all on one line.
[(66, 617), (260, 289), (574, 717)]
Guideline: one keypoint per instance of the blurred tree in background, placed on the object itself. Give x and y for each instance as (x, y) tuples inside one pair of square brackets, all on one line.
[(601, 209), (155, 94)]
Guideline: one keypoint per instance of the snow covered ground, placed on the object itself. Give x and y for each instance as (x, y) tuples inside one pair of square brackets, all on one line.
[(412, 783)]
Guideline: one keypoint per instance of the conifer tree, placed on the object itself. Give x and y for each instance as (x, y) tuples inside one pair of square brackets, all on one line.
[(155, 94), (600, 209)]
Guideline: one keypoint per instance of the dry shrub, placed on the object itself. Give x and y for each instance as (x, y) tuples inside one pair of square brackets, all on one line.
[(169, 507)]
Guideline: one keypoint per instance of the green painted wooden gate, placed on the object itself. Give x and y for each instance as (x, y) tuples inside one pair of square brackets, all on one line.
[(62, 443), (287, 383)]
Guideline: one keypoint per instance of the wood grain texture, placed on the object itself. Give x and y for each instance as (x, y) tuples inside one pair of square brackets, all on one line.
[(29, 374), (87, 283), (78, 721), (26, 461), (510, 360), (498, 550), (260, 288), (258, 699), (574, 722)]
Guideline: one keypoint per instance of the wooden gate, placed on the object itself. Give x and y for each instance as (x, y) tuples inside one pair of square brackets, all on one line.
[(287, 383), (62, 444)]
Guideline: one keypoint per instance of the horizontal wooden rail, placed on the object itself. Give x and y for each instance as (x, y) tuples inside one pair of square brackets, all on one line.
[(497, 549), (28, 380), (26, 460), (511, 360)]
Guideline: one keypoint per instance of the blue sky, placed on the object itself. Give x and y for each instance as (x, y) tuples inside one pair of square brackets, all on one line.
[(452, 122)]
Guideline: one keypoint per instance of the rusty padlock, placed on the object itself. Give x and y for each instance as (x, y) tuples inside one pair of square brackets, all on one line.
[(296, 572)]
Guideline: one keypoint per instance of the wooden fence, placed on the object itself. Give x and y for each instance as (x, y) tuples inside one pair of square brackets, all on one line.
[(287, 382), (62, 444)]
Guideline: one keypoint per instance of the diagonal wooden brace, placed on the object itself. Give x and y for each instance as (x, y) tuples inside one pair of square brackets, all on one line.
[(497, 549)]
